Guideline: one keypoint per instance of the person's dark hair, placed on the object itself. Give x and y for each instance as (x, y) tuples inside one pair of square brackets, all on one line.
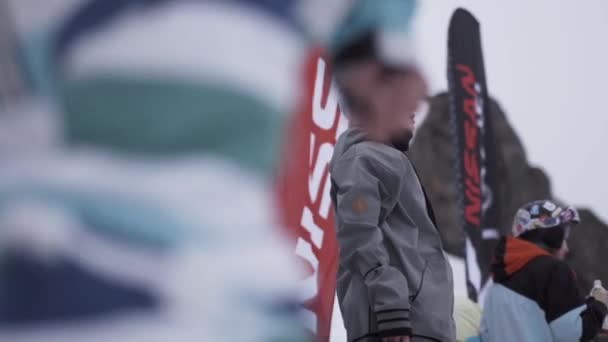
[(548, 237)]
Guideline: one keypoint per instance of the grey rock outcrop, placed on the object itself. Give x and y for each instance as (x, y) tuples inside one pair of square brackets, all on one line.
[(433, 153)]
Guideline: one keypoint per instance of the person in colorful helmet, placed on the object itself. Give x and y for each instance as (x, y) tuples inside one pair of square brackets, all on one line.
[(535, 296)]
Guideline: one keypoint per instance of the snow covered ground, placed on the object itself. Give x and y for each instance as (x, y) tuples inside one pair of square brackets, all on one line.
[(338, 334)]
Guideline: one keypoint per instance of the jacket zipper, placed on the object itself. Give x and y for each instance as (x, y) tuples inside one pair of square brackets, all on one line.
[(413, 297)]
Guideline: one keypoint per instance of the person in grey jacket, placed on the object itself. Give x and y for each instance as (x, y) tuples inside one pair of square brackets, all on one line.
[(394, 282)]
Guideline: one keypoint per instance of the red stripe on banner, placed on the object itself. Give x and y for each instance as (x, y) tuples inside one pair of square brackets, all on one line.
[(303, 190)]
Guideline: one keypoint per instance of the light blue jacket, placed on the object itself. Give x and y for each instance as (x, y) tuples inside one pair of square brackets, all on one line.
[(509, 316)]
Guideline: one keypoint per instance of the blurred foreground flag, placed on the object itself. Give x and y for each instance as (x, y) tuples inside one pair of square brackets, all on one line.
[(153, 220), (178, 76)]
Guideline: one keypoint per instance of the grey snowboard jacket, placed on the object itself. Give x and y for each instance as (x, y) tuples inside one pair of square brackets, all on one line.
[(393, 276)]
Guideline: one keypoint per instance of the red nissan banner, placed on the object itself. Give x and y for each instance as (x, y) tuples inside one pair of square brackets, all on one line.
[(476, 156), (304, 191)]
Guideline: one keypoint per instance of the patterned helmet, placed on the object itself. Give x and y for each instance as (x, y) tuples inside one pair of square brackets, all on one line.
[(543, 214)]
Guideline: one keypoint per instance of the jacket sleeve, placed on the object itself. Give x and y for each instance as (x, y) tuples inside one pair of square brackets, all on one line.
[(570, 317), (593, 318), (360, 198)]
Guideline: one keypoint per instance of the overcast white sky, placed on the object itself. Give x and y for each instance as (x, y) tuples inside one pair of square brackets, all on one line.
[(547, 64)]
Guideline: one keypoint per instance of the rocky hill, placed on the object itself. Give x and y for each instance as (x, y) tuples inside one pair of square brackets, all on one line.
[(433, 153)]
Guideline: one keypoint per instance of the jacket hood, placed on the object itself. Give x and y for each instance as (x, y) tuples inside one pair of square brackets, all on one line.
[(511, 255), (350, 137)]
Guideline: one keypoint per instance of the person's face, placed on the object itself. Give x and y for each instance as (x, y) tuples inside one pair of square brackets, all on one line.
[(563, 251), (386, 98)]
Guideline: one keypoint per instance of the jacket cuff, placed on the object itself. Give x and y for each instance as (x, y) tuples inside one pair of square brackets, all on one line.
[(395, 332), (394, 322)]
